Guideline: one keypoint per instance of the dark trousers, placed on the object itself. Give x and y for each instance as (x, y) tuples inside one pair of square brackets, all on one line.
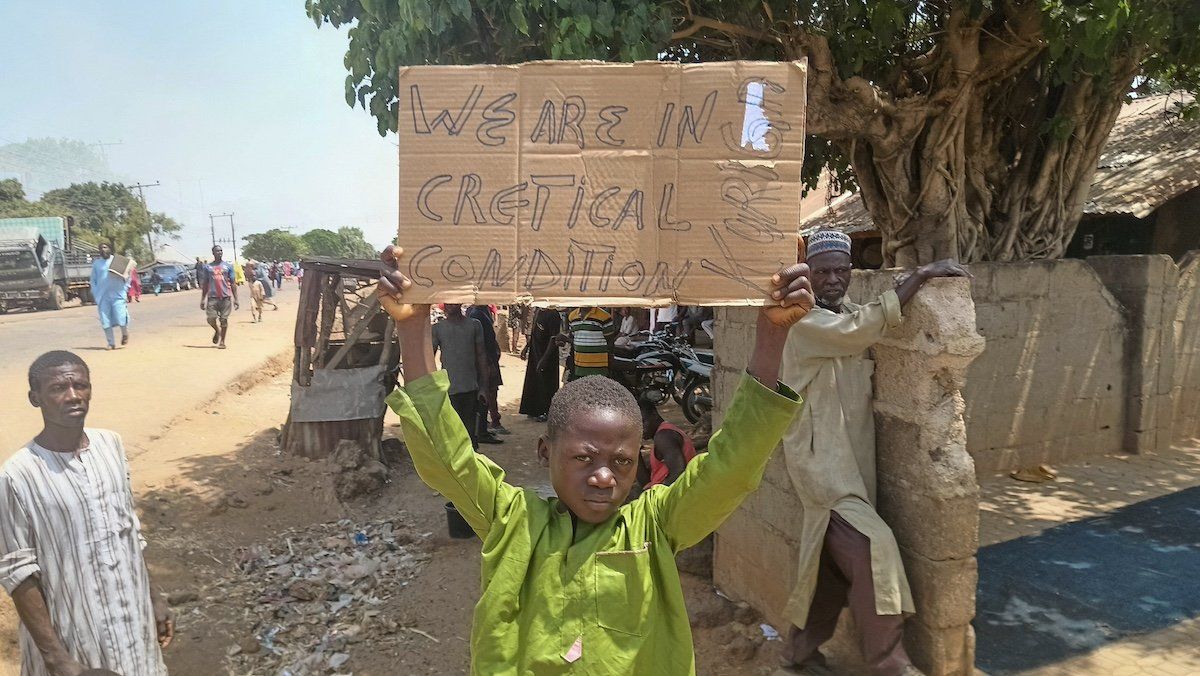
[(466, 405), (489, 410), (845, 579)]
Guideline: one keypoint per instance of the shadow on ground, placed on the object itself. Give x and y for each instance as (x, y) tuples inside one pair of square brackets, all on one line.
[(1076, 587)]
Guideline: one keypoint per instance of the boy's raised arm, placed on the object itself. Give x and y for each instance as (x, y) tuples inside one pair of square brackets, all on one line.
[(716, 482), (434, 434)]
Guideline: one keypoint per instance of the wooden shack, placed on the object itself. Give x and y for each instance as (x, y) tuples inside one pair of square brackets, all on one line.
[(346, 359)]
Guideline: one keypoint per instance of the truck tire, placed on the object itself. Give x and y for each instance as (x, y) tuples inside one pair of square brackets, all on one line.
[(176, 286), (57, 298)]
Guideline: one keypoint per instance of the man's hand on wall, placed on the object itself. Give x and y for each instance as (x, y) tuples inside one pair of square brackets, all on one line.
[(946, 268)]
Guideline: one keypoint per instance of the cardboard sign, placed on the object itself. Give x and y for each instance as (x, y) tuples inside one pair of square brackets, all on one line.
[(121, 266), (575, 183)]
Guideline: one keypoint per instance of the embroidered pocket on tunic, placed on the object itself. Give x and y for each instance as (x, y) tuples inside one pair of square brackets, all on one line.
[(623, 590)]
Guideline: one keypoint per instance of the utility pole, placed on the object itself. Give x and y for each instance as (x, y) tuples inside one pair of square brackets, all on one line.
[(145, 211), (232, 231)]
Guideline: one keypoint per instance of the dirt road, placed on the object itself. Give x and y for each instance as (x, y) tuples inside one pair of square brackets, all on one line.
[(170, 365)]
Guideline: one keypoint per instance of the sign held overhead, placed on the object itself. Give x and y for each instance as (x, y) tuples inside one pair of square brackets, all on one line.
[(574, 183)]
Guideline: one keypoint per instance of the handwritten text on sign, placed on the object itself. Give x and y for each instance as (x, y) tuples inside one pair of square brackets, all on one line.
[(577, 183)]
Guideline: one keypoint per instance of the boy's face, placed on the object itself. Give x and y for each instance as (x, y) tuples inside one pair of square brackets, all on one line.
[(593, 463)]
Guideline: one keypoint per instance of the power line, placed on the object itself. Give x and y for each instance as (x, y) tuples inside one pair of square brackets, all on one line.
[(102, 145)]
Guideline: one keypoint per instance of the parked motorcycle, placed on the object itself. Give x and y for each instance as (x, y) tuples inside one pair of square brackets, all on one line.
[(642, 374), (689, 376), (695, 395)]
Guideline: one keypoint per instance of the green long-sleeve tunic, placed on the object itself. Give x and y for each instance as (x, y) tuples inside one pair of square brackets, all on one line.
[(564, 598)]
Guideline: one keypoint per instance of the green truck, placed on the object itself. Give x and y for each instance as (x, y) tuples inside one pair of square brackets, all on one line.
[(40, 264)]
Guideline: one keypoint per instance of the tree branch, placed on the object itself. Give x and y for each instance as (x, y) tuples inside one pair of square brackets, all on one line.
[(699, 23)]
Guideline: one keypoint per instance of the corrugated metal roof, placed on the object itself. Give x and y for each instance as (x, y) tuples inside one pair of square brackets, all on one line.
[(845, 213), (1151, 156)]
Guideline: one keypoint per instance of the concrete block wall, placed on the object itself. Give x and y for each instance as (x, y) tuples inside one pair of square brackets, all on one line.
[(1050, 385), (1147, 288), (1185, 329)]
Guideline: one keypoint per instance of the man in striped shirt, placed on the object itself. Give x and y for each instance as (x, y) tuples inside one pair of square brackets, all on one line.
[(592, 336), (70, 541)]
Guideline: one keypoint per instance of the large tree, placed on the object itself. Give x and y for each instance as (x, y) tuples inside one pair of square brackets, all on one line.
[(322, 242), (345, 243), (971, 127), (274, 245), (110, 212)]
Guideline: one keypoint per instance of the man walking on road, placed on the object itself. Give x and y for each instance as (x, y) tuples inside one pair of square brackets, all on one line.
[(70, 540), (218, 295), (108, 292), (848, 555)]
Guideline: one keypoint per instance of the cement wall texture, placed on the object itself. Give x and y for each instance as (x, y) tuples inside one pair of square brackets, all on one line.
[(1185, 386), (1049, 386)]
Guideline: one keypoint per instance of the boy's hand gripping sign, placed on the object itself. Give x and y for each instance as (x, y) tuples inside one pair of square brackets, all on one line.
[(574, 183)]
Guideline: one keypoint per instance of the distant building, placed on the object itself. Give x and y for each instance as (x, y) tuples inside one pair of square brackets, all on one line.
[(1145, 196)]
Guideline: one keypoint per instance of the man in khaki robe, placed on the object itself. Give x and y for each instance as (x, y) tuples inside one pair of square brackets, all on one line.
[(848, 555)]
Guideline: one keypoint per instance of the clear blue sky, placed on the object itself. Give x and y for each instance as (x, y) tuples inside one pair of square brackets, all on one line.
[(233, 105)]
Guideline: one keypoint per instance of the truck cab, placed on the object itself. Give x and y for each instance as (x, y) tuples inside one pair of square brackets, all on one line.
[(39, 272)]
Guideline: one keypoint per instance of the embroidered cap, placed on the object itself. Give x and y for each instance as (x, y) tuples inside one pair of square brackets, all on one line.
[(824, 241)]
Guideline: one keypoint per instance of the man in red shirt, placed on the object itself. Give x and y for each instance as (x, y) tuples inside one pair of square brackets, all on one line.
[(217, 294)]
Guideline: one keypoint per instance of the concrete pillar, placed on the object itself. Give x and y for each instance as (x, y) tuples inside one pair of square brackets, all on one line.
[(927, 489), (1147, 287)]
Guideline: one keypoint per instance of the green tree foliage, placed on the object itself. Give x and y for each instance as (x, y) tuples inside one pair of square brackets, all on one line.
[(322, 242), (354, 245), (110, 212), (971, 127), (11, 190), (274, 245), (103, 212), (14, 205), (345, 243)]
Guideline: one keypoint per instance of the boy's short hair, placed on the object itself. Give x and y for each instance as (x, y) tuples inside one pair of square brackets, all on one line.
[(53, 359), (590, 392)]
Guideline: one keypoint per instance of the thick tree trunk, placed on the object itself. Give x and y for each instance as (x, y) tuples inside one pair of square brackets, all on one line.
[(988, 161), (996, 175)]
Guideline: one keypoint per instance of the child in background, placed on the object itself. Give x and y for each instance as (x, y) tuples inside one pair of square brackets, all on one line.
[(258, 295), (583, 582)]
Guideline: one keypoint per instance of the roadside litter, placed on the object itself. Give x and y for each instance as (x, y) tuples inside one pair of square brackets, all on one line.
[(313, 593)]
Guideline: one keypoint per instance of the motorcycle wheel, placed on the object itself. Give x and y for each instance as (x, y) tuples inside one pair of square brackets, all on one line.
[(697, 401), (679, 383)]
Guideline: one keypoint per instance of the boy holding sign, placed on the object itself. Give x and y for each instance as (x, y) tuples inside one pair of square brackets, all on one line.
[(583, 582)]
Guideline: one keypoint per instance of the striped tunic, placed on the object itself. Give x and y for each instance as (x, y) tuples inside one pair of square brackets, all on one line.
[(590, 328), (69, 519)]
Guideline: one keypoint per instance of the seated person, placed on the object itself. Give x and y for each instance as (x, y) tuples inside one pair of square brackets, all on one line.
[(672, 451), (628, 328), (583, 582)]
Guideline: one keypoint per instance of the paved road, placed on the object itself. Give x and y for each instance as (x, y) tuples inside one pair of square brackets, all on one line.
[(169, 366)]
